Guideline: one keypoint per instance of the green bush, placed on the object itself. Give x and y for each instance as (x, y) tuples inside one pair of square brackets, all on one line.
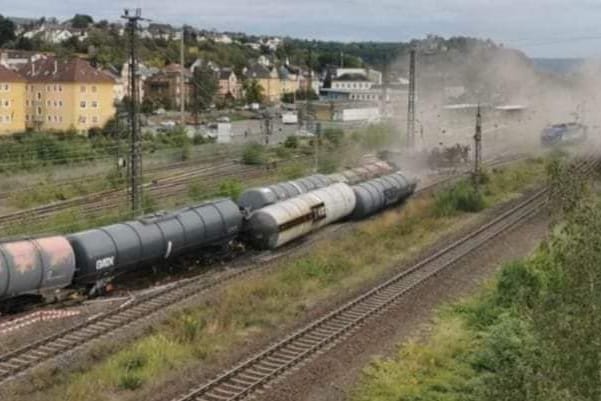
[(328, 165), (293, 171), (463, 197), (291, 142), (253, 154), (334, 135), (283, 153), (129, 380), (230, 188)]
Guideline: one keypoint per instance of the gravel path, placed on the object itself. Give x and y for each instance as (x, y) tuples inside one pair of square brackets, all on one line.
[(332, 375)]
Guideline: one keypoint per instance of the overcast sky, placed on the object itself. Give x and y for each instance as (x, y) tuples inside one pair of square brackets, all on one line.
[(542, 28)]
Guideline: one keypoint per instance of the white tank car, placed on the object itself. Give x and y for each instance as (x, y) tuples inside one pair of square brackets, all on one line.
[(282, 222)]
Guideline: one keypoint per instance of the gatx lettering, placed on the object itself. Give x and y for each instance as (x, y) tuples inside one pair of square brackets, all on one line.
[(105, 262)]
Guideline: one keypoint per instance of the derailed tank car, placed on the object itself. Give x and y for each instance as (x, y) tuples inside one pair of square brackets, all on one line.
[(362, 173), (280, 223), (375, 195), (35, 267), (107, 251), (256, 198)]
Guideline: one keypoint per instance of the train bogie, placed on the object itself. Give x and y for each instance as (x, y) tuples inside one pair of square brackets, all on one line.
[(377, 194), (282, 222), (36, 266), (119, 247)]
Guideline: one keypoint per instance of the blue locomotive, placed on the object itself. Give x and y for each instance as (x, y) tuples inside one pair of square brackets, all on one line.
[(564, 133)]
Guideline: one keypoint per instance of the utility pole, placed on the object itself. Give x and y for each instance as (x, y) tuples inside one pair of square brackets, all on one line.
[(182, 98), (478, 148), (309, 113), (135, 153), (411, 102), (384, 92)]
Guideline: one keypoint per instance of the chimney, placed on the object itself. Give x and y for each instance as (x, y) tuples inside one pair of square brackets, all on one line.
[(32, 67), (55, 66)]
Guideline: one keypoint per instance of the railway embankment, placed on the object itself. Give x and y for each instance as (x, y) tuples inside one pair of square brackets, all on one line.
[(530, 333)]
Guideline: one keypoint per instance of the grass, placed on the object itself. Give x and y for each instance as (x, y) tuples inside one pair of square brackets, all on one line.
[(262, 302)]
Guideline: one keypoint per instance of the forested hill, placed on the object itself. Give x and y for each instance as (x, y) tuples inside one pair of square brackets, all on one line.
[(104, 41)]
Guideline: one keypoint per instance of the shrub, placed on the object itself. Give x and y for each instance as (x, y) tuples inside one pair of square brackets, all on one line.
[(253, 154), (293, 171), (282, 152), (328, 165), (230, 188), (461, 198), (334, 135), (130, 380), (291, 142)]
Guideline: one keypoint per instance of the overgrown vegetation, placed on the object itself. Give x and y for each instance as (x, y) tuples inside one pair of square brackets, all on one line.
[(258, 304), (462, 197), (534, 335), (254, 153)]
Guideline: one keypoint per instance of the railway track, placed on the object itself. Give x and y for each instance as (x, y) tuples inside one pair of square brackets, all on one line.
[(23, 359), (96, 204), (283, 357)]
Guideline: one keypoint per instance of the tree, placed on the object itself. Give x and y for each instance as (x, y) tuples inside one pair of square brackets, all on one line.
[(204, 89), (81, 21), (253, 91), (7, 30)]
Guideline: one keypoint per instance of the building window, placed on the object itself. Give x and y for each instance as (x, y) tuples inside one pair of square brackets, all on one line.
[(39, 110), (55, 103), (60, 103), (60, 119), (95, 120), (93, 89), (6, 103), (39, 95), (82, 89), (49, 119), (55, 119), (82, 119), (60, 88), (82, 104), (94, 104), (48, 103), (27, 103), (48, 88), (54, 88), (6, 87), (26, 117)]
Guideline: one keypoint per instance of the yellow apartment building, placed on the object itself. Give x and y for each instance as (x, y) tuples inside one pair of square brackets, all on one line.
[(269, 79), (66, 94), (12, 101)]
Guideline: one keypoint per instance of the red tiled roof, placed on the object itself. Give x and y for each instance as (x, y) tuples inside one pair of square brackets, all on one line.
[(8, 75), (54, 70)]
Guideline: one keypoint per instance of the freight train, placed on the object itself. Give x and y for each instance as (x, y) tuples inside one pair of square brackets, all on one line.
[(263, 218)]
